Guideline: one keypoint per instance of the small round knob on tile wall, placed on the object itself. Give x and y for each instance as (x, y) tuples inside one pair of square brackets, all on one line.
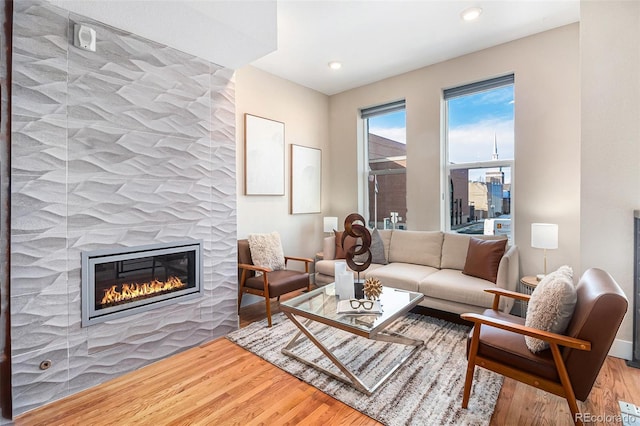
[(46, 364)]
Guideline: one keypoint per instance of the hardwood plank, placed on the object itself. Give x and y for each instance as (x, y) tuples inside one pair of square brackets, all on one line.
[(220, 383)]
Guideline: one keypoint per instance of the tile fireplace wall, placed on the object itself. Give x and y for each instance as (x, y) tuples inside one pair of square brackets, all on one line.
[(131, 145)]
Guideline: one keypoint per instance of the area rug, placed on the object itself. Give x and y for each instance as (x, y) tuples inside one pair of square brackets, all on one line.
[(426, 390)]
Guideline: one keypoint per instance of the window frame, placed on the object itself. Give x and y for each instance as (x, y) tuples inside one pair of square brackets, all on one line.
[(447, 167), (365, 114)]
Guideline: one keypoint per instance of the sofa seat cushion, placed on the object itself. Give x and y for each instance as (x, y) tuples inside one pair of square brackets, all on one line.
[(405, 276), (451, 284), (327, 267), (510, 349)]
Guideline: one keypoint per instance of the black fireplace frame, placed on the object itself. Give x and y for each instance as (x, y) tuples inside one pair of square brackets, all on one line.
[(91, 315)]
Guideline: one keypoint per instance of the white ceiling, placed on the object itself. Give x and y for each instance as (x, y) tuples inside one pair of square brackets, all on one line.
[(231, 33), (374, 39), (378, 39)]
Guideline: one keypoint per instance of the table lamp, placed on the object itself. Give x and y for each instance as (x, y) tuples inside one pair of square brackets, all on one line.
[(330, 223), (544, 236)]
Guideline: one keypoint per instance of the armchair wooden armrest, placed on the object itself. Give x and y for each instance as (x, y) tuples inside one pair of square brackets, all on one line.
[(306, 261), (547, 336), (249, 267), (497, 292)]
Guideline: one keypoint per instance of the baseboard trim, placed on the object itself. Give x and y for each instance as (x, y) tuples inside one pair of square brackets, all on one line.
[(621, 349)]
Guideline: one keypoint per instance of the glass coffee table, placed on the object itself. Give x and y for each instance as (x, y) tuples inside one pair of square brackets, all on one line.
[(320, 305)]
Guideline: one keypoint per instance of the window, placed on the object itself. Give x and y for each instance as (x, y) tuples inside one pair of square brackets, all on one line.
[(480, 157), (386, 159)]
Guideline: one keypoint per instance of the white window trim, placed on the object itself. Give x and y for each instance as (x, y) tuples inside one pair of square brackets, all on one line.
[(446, 168), (363, 160)]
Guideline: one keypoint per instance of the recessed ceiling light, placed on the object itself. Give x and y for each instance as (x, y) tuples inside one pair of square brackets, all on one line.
[(471, 14), (335, 65)]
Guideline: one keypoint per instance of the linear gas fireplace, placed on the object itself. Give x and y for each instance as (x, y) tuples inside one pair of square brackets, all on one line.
[(125, 281)]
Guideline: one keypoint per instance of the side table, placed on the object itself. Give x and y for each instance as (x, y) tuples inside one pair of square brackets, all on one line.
[(527, 284)]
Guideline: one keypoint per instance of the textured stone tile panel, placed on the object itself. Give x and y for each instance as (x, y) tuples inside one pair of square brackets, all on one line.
[(38, 264), (38, 204), (100, 152), (223, 111), (39, 77), (153, 326), (121, 203), (133, 83), (39, 321), (38, 145), (33, 387)]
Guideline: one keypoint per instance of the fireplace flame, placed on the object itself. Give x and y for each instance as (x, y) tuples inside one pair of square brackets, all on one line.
[(135, 290)]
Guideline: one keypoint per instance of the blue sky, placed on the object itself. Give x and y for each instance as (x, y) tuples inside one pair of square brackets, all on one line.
[(473, 121)]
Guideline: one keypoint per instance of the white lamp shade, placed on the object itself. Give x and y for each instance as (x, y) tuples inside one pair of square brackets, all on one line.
[(330, 223), (544, 235)]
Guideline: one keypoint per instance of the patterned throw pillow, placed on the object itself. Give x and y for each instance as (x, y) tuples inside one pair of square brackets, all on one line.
[(551, 306), (266, 250)]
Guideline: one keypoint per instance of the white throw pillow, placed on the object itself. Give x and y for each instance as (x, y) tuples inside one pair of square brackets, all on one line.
[(551, 306), (266, 250)]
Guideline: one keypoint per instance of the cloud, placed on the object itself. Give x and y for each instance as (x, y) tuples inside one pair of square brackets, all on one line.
[(474, 142)]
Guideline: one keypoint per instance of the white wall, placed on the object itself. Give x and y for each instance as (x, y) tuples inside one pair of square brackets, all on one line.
[(610, 153), (305, 114), (547, 131)]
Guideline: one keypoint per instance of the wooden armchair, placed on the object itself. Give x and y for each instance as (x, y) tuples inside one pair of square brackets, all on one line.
[(270, 283), (571, 364)]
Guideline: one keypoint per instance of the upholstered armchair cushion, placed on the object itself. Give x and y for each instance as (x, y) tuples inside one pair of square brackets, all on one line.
[(280, 282)]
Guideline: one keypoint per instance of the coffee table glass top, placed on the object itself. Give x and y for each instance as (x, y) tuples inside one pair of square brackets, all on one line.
[(321, 305)]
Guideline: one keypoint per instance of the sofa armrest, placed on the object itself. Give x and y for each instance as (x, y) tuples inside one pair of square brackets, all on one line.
[(508, 270), (329, 248), (497, 292)]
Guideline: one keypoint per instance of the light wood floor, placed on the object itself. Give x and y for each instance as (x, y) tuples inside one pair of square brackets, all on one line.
[(218, 383)]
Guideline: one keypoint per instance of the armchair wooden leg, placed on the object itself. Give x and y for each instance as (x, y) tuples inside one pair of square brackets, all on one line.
[(240, 300), (268, 302), (471, 365), (267, 299), (241, 289), (566, 384)]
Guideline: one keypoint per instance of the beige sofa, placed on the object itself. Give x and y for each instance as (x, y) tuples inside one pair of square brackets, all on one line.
[(432, 263)]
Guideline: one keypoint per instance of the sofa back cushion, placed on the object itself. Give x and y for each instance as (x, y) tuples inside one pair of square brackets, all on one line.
[(455, 247), (417, 247)]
